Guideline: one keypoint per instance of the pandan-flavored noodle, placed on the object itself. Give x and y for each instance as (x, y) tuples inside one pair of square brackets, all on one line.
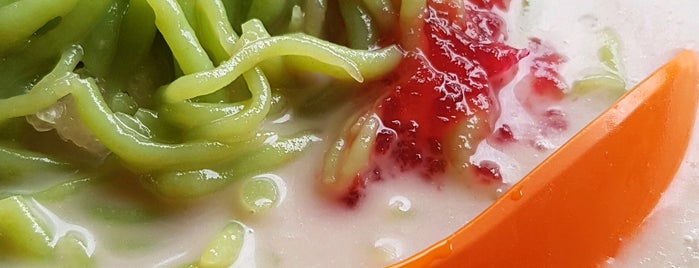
[(290, 133)]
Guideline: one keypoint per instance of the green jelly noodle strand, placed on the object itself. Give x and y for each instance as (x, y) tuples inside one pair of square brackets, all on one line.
[(609, 53), (135, 40), (314, 16), (21, 232), (120, 214), (268, 11), (361, 30), (408, 20), (217, 37), (6, 2), (218, 121), (187, 7), (100, 45), (37, 57), (15, 162), (136, 150), (296, 20), (250, 55), (215, 31), (225, 249), (222, 121), (70, 252), (608, 82), (141, 152), (383, 12), (214, 151), (371, 64), (46, 92), (254, 30), (259, 194), (193, 183), (62, 190), (19, 20), (276, 15), (194, 114), (350, 153), (247, 121), (608, 85), (179, 35)]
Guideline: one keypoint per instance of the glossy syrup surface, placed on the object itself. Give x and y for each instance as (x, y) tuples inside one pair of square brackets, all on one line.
[(451, 79)]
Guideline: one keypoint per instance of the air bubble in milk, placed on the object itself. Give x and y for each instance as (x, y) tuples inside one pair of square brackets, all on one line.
[(691, 240), (400, 204), (544, 145), (390, 249), (589, 20)]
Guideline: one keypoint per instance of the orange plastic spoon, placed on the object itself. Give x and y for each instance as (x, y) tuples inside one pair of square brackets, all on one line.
[(577, 207)]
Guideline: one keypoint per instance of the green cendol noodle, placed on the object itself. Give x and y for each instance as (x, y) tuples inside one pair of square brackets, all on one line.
[(170, 93)]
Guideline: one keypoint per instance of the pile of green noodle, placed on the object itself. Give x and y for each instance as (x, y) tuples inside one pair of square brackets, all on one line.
[(170, 93)]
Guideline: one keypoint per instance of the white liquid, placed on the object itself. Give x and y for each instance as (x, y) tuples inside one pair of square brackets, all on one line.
[(308, 234), (651, 32), (400, 216)]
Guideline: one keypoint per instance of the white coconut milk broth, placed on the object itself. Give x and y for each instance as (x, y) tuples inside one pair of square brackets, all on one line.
[(402, 215), (651, 32)]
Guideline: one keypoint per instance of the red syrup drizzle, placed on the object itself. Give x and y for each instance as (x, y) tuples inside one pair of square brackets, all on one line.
[(453, 77), (543, 86), (539, 92), (542, 89)]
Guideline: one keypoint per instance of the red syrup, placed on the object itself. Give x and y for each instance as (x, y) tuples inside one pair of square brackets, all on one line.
[(449, 83)]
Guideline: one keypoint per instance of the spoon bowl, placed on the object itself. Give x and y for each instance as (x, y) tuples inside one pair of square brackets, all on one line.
[(578, 206)]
